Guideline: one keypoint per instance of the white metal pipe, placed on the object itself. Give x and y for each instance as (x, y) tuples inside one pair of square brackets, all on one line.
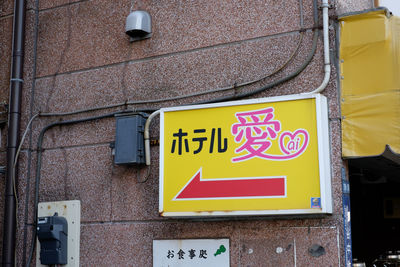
[(147, 136), (327, 62)]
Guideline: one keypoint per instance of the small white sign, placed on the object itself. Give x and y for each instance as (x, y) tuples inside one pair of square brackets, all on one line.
[(191, 252)]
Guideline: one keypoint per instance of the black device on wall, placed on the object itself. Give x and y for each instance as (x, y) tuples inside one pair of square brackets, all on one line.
[(129, 139), (52, 232)]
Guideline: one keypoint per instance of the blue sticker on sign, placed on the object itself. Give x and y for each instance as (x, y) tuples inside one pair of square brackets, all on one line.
[(315, 202)]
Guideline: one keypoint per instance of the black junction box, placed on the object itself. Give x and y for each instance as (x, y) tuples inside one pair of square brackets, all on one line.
[(52, 232), (129, 139)]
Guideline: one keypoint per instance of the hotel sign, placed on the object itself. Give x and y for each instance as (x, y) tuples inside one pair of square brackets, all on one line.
[(254, 157)]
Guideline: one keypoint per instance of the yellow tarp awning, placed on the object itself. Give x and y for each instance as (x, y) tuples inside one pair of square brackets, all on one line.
[(370, 83)]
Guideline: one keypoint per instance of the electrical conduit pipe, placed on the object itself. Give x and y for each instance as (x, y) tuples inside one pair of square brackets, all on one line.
[(14, 118), (327, 62), (147, 136)]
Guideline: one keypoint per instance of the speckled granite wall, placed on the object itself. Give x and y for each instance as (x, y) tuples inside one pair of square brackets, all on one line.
[(345, 6), (84, 59)]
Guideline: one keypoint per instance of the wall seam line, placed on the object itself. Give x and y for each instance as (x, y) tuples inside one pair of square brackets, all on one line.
[(177, 53)]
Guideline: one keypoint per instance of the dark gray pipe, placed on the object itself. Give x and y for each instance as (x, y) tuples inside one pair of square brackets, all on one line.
[(14, 118)]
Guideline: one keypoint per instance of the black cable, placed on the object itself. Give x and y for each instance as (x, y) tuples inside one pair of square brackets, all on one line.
[(32, 102), (270, 85), (235, 86), (282, 80), (39, 163), (273, 84), (137, 102)]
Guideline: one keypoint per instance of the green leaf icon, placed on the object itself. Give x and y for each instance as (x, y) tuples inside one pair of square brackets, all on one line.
[(221, 249)]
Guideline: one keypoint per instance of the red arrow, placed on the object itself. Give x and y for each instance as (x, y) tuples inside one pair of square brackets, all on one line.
[(227, 188)]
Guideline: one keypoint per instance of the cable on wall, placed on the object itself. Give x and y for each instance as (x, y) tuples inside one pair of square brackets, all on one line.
[(39, 163), (231, 87)]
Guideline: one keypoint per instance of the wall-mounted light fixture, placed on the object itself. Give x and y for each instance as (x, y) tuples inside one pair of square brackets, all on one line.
[(138, 25)]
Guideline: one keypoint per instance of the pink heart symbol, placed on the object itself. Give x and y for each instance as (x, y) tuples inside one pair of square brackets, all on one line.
[(301, 133)]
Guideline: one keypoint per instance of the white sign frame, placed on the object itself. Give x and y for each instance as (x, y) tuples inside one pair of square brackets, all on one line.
[(324, 157)]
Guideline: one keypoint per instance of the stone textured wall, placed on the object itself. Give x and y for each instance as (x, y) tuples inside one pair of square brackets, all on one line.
[(344, 6), (84, 59)]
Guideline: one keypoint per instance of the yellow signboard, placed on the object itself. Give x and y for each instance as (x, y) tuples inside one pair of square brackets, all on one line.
[(252, 157)]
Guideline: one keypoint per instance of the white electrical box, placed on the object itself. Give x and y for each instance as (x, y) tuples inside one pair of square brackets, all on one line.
[(70, 210)]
